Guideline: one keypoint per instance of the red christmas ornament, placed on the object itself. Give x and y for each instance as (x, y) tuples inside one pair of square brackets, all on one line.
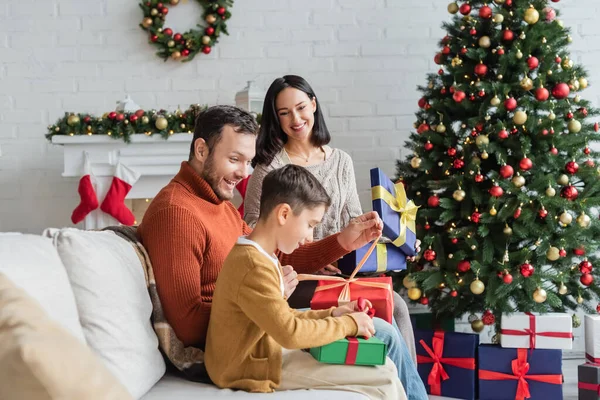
[(526, 270), (453, 293), (525, 164), (463, 51), (508, 3), (86, 119), (558, 60), (473, 31), (560, 91), (428, 146), (508, 35), (458, 163), (465, 9), (429, 255), (586, 279), (221, 10), (153, 38), (517, 213), (422, 128), (159, 5), (424, 301), (585, 267), (451, 151), (479, 127), (507, 278), (569, 115), (488, 318), (485, 12), (554, 150), (209, 30), (476, 217), (164, 11), (552, 131), (433, 201), (583, 111), (587, 150), (178, 37), (503, 134), (500, 51), (454, 240), (562, 252), (120, 117), (167, 31), (598, 308), (569, 192), (185, 52), (514, 130), (459, 96), (133, 118), (543, 213), (427, 226), (206, 49), (572, 167), (506, 171), (579, 251), (472, 97), (589, 163), (112, 115), (463, 266), (596, 127), (542, 94), (439, 58), (496, 191), (510, 104), (443, 90), (422, 102), (533, 62), (479, 178), (481, 69), (481, 93)]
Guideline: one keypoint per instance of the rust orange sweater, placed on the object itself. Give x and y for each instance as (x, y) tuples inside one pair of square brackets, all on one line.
[(188, 232)]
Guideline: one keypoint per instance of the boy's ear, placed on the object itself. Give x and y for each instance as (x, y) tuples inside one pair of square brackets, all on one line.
[(283, 212)]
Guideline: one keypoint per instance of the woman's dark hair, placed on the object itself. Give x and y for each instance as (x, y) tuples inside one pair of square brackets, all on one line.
[(271, 137)]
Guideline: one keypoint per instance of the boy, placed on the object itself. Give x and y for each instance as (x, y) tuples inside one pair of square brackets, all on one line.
[(251, 320)]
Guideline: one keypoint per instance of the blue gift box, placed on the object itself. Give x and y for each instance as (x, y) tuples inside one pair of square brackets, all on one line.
[(497, 362), (386, 257), (390, 202), (458, 358)]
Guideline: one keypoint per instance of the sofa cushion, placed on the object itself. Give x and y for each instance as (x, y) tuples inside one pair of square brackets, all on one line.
[(32, 263), (41, 360), (113, 303), (175, 388)]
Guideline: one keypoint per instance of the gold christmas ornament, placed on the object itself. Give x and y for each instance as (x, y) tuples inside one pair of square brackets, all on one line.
[(565, 218), (205, 39), (175, 55), (507, 230), (519, 54), (553, 254), (574, 83), (210, 18), (414, 293), (583, 83), (161, 123), (520, 117), (540, 296), (495, 101), (456, 61), (493, 211), (584, 220), (453, 8), (477, 287), (577, 99), (73, 120), (580, 300), (459, 195), (408, 282), (562, 289), (174, 2), (522, 36), (574, 126), (154, 12), (415, 162), (569, 39), (499, 1), (526, 84), (531, 16), (482, 140), (171, 43), (498, 18), (145, 120), (441, 128), (147, 22), (560, 23), (551, 116), (550, 192), (563, 180), (477, 325), (500, 76), (567, 63), (485, 42), (518, 181)]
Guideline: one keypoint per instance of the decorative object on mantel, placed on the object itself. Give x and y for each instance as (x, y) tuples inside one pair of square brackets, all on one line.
[(87, 193), (127, 105), (123, 124), (185, 46), (114, 202), (251, 98)]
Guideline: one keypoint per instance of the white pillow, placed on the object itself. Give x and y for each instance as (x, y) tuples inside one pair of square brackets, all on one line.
[(32, 263), (114, 305)]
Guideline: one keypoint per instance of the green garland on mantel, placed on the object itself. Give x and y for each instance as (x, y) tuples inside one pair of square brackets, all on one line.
[(122, 125)]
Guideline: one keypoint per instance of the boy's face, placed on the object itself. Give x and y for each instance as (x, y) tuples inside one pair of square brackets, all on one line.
[(298, 229)]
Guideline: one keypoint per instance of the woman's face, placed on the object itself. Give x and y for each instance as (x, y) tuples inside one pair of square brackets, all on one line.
[(296, 112)]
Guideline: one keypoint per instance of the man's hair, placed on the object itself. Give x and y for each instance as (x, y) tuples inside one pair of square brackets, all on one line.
[(210, 122), (293, 185)]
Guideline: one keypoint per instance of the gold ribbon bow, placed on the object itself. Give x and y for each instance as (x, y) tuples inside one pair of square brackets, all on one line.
[(344, 296), (400, 204)]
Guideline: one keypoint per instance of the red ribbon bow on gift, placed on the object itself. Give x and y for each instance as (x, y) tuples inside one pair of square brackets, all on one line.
[(438, 373), (594, 387), (520, 368), (532, 333), (592, 359)]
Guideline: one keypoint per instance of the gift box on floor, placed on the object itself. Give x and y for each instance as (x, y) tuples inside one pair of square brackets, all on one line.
[(592, 338), (588, 381), (386, 257), (535, 331), (397, 212), (352, 351), (428, 321), (335, 291), (519, 373), (447, 363)]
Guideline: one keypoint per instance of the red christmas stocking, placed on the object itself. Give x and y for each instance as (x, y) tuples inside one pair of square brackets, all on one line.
[(114, 202), (241, 188), (87, 194)]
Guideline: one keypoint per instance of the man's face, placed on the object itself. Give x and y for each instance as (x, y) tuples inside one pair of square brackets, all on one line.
[(228, 161)]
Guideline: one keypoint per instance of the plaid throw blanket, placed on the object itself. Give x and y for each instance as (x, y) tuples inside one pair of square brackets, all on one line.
[(188, 360)]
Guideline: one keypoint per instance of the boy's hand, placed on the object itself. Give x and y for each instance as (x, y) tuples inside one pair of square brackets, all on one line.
[(360, 305), (365, 325), (290, 280)]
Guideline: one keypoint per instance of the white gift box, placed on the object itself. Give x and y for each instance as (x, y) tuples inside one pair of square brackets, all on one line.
[(543, 331), (592, 338)]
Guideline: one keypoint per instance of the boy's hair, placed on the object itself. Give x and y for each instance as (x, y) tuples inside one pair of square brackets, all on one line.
[(292, 185)]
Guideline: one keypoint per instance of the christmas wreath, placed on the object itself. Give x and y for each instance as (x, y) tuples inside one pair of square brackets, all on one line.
[(185, 46)]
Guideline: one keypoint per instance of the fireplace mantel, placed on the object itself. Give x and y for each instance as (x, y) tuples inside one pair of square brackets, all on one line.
[(156, 159)]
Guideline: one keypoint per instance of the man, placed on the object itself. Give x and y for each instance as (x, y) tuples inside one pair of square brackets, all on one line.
[(191, 226)]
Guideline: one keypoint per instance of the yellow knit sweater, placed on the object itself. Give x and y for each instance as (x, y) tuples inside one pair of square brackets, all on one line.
[(251, 321)]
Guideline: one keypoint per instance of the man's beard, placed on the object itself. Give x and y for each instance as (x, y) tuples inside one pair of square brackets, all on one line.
[(210, 176)]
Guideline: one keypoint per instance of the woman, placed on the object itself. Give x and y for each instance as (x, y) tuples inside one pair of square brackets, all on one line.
[(293, 131)]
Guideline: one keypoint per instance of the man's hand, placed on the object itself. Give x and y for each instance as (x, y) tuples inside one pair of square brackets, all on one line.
[(290, 280), (328, 270), (352, 307), (417, 250), (360, 231)]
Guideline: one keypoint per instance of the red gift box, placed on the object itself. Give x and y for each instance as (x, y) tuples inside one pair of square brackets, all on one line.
[(377, 290)]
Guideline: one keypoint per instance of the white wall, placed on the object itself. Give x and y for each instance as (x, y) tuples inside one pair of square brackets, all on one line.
[(363, 58)]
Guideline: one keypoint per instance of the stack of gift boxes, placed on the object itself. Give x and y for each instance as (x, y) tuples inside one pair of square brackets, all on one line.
[(526, 364), (589, 373), (398, 215)]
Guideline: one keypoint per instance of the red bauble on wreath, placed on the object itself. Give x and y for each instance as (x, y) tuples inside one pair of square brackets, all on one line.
[(185, 46)]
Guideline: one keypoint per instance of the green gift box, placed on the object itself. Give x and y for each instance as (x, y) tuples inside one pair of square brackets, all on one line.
[(427, 321), (352, 351)]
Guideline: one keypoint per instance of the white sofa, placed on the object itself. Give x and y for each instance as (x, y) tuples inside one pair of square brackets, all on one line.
[(92, 284)]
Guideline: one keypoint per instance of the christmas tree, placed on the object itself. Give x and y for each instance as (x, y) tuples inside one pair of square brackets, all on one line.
[(502, 168)]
